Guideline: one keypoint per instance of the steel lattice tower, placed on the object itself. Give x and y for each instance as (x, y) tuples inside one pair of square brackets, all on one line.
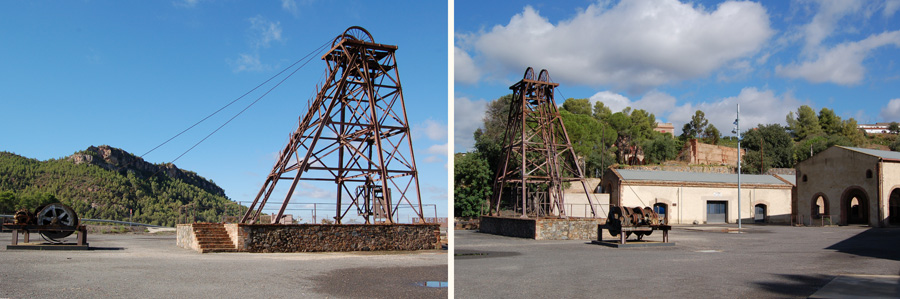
[(538, 156), (356, 134)]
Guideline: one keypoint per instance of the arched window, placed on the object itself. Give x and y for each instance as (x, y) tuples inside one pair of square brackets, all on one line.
[(868, 173), (804, 178)]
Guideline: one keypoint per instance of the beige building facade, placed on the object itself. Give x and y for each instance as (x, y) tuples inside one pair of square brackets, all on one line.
[(847, 185), (702, 198)]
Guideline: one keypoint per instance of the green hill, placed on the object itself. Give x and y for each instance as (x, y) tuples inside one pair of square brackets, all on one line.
[(106, 182)]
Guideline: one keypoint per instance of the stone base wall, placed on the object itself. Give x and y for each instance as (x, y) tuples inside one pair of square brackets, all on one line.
[(325, 237), (568, 229), (542, 228), (510, 227), (185, 237)]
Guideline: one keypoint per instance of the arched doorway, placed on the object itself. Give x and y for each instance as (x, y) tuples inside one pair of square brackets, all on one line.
[(819, 207), (894, 207), (855, 207), (663, 211), (759, 215)]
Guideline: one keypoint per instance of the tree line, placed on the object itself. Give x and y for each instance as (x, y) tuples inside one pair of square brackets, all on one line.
[(98, 193), (600, 138)]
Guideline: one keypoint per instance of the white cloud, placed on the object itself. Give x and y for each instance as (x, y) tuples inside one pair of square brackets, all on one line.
[(464, 69), (186, 3), (313, 191), (824, 22), (264, 31), (890, 7), (432, 159), (290, 6), (757, 107), (614, 101), (842, 64), (438, 149), (891, 112), (247, 62), (262, 34), (468, 116), (655, 102), (432, 129), (634, 44)]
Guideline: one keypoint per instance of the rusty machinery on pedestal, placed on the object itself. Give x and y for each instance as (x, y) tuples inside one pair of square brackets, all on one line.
[(53, 221), (624, 219), (537, 155), (355, 134)]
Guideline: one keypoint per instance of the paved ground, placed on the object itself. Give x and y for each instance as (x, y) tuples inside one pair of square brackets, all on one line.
[(763, 262), (148, 266)]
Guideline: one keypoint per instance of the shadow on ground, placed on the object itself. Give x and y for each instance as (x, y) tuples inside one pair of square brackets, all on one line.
[(791, 285), (882, 243), (393, 282)]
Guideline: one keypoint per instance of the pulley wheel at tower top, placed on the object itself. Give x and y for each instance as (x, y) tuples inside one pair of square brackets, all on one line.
[(544, 76), (56, 214), (529, 74), (354, 33)]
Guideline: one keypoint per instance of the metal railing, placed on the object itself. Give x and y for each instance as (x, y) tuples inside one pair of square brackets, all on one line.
[(815, 220)]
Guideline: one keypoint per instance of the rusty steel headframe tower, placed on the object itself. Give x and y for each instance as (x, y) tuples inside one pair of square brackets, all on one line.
[(538, 156), (355, 134)]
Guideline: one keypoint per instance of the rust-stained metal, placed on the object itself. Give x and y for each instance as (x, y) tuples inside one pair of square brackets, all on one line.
[(53, 221), (622, 222), (537, 155), (355, 134)]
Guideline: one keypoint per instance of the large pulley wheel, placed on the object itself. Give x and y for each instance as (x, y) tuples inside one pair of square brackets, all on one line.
[(354, 33), (56, 214)]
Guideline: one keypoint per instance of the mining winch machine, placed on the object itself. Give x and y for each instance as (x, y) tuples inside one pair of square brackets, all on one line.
[(622, 222), (53, 222)]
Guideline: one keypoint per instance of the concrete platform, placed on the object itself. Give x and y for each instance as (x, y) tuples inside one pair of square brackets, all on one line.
[(48, 246), (634, 244), (861, 286)]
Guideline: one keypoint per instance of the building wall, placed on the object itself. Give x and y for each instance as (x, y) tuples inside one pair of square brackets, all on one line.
[(687, 204), (890, 172), (696, 152), (831, 174), (576, 204)]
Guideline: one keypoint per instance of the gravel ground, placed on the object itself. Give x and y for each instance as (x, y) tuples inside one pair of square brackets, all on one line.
[(763, 262), (148, 266)]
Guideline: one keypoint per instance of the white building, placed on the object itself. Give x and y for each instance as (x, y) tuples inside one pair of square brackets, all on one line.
[(688, 197)]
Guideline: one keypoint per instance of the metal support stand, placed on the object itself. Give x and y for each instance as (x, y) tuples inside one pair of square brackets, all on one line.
[(26, 230), (623, 242)]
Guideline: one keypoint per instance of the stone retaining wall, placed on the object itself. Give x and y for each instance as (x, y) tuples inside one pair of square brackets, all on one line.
[(568, 229), (542, 228), (325, 237), (185, 237)]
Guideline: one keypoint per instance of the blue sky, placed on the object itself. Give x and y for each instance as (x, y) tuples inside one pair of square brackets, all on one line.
[(674, 57), (133, 74)]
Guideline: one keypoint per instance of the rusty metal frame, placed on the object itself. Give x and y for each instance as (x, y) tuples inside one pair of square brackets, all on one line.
[(355, 132), (538, 156)]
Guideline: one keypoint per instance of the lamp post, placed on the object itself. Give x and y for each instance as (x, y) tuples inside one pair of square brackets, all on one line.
[(737, 130)]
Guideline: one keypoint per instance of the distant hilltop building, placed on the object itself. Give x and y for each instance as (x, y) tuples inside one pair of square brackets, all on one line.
[(665, 128), (878, 128)]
